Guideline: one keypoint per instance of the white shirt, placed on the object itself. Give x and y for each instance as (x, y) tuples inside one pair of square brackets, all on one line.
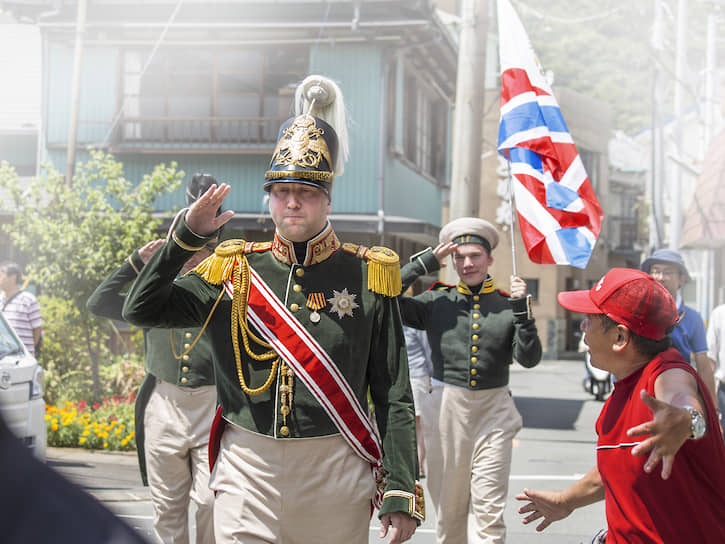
[(716, 341)]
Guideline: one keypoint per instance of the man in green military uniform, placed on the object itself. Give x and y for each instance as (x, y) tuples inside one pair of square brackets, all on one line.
[(475, 332), (175, 404), (314, 325)]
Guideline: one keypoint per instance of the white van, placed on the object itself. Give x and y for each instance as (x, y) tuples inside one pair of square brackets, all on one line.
[(21, 391)]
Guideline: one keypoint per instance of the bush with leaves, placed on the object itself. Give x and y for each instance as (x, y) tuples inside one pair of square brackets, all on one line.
[(73, 236)]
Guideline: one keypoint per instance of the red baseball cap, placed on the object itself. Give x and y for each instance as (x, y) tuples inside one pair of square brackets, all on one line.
[(630, 297)]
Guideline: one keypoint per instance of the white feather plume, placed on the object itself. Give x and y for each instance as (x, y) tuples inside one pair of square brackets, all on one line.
[(321, 97)]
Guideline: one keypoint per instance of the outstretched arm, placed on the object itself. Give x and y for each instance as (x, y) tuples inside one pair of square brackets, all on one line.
[(555, 505), (669, 427)]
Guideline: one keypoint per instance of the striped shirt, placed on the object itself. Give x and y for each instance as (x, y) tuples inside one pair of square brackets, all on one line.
[(23, 314)]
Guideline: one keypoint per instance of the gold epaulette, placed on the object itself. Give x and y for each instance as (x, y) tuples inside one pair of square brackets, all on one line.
[(383, 268), (218, 268)]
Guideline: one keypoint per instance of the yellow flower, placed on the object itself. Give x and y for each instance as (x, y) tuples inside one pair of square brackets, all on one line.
[(105, 445), (47, 417), (54, 427), (86, 433), (81, 440)]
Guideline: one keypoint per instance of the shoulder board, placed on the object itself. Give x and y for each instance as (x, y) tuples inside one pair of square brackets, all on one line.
[(217, 268), (502, 292), (439, 286), (383, 268)]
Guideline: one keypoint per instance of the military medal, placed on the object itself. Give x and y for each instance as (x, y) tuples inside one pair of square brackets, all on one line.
[(343, 303), (315, 301)]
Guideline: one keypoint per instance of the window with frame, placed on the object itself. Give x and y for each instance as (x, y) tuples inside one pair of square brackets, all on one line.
[(425, 126), (237, 96)]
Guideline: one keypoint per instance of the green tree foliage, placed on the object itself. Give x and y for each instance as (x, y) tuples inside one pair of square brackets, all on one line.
[(72, 237), (604, 50)]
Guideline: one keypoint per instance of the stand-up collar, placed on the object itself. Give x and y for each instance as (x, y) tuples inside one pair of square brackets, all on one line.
[(486, 287), (319, 248)]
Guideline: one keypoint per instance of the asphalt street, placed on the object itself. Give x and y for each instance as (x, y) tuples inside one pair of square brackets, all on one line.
[(554, 448)]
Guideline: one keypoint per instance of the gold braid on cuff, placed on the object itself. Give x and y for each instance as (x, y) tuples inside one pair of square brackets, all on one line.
[(130, 261), (184, 245), (416, 501)]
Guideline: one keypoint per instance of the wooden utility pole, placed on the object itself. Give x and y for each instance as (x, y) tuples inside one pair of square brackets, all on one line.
[(657, 180), (468, 116), (70, 159), (679, 103)]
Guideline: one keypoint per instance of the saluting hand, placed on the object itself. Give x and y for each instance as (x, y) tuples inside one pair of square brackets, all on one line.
[(202, 218), (442, 250)]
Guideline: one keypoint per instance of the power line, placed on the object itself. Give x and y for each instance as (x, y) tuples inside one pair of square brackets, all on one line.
[(547, 17)]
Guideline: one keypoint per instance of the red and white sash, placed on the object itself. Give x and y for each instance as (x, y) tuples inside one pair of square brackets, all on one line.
[(315, 368)]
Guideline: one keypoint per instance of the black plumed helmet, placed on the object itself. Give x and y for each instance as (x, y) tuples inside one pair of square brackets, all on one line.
[(197, 186)]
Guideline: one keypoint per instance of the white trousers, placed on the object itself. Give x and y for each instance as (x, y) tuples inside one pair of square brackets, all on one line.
[(468, 462), (298, 491), (177, 421)]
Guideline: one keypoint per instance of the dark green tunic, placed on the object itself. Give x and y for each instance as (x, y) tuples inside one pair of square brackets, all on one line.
[(365, 341), (193, 369), (473, 336)]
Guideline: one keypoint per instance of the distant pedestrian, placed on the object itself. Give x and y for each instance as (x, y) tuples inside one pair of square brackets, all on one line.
[(659, 411), (716, 351), (20, 307), (421, 370), (688, 337)]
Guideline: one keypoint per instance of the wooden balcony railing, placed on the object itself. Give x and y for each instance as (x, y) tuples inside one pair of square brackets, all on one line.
[(160, 131)]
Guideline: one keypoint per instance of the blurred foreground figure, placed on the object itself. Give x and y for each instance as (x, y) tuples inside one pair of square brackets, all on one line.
[(39, 506)]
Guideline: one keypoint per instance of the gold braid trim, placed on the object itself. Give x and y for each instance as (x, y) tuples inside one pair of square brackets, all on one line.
[(241, 281), (218, 268), (198, 336)]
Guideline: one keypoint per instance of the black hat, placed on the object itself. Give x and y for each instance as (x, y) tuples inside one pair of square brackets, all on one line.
[(197, 186), (306, 153), (312, 146)]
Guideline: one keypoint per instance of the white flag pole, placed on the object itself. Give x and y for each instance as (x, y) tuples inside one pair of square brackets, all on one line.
[(513, 224)]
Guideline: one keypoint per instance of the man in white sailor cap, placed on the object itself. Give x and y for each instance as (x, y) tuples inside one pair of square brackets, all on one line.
[(475, 332)]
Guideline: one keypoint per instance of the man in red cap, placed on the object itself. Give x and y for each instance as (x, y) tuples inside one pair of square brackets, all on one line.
[(659, 406)]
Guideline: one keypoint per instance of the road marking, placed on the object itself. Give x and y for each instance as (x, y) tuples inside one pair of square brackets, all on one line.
[(418, 531), (552, 477)]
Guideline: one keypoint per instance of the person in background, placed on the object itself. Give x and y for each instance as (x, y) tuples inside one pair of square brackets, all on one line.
[(689, 336), (302, 329), (175, 404), (20, 307), (475, 333), (421, 369), (660, 406), (716, 351)]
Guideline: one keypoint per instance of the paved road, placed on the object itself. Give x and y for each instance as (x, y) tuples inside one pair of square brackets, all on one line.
[(555, 447)]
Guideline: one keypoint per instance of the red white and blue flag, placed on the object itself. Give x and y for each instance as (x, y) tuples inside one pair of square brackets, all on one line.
[(559, 214)]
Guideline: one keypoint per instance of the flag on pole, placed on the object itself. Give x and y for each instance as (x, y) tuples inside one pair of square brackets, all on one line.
[(559, 214)]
